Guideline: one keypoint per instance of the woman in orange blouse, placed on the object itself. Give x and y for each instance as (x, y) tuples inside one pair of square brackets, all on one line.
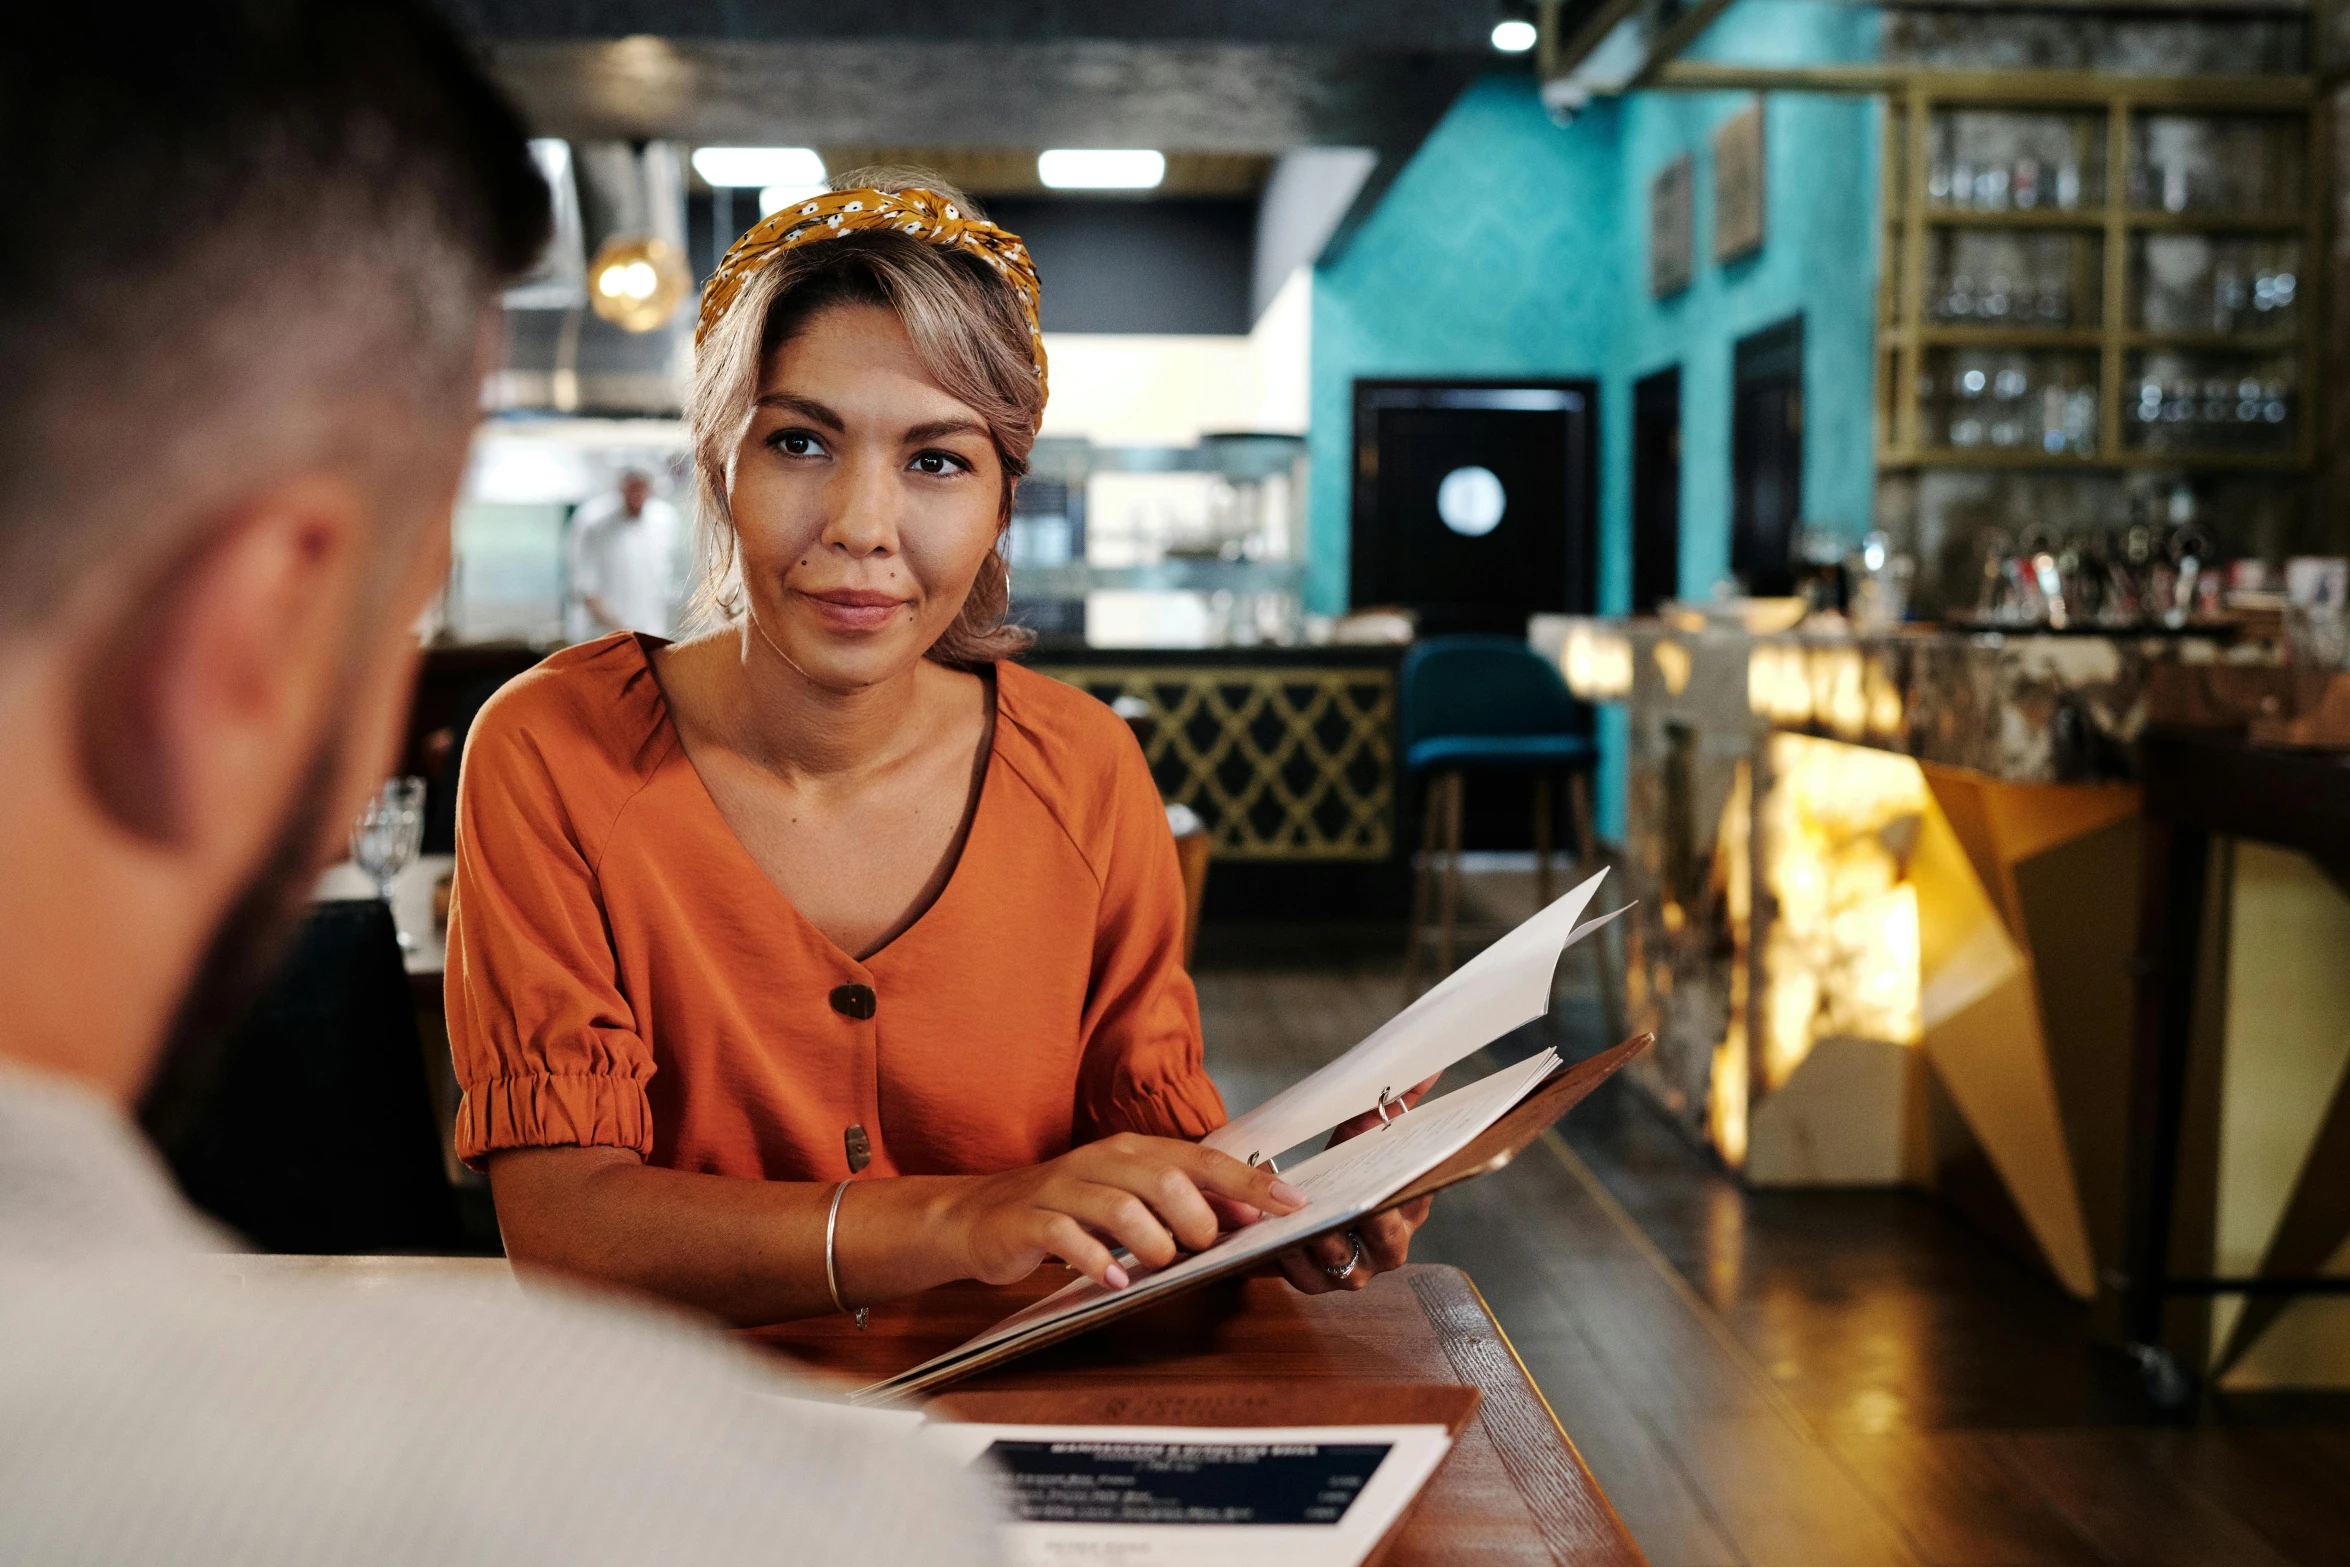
[(832, 896)]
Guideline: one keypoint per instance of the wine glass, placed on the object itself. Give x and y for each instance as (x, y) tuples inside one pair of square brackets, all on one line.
[(386, 837)]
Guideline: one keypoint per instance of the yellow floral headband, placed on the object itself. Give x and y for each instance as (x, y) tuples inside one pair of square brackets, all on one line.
[(924, 214)]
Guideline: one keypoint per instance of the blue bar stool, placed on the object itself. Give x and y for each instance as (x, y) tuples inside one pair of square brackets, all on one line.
[(1493, 704)]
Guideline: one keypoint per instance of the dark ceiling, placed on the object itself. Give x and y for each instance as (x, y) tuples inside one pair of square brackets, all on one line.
[(1436, 28), (1200, 76)]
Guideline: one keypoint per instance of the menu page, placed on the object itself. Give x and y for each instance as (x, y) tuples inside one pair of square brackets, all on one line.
[(1503, 987), (1154, 1496)]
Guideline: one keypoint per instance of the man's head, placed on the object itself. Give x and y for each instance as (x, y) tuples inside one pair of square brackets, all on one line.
[(248, 255), (636, 487)]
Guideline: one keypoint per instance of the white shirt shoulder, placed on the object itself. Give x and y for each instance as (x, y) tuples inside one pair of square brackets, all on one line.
[(160, 1402), (154, 1414)]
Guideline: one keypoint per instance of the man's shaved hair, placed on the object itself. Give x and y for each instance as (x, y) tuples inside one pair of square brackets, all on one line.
[(237, 238)]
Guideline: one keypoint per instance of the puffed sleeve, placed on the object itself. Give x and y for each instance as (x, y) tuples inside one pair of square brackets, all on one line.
[(1142, 1069), (546, 1047)]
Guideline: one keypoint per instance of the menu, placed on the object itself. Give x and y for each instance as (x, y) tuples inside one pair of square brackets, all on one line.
[(1150, 1496), (1506, 985)]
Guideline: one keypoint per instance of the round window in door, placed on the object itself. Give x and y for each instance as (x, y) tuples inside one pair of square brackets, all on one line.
[(1470, 501)]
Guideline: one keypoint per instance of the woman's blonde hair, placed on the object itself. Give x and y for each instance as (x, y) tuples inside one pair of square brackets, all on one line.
[(967, 329)]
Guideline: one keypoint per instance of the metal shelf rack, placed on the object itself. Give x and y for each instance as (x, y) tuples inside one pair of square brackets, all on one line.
[(1907, 334)]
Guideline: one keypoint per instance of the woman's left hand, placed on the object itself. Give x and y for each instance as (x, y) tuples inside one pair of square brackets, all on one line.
[(1314, 1268)]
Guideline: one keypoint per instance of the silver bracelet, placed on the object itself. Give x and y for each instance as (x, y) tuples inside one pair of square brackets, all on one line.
[(831, 1273)]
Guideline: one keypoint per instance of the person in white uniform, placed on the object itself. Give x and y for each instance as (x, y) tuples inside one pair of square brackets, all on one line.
[(227, 462), (625, 565)]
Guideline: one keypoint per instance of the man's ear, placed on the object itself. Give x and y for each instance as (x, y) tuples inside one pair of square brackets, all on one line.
[(211, 679)]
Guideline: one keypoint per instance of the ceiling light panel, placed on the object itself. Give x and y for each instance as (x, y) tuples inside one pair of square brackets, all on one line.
[(759, 167), (1514, 37), (1101, 168)]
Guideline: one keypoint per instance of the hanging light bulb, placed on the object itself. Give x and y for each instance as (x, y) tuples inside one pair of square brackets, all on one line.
[(637, 282)]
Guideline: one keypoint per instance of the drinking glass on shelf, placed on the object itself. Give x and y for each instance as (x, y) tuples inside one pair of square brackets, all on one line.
[(2080, 421), (2229, 296), (2216, 392), (386, 837), (2272, 290), (2025, 183)]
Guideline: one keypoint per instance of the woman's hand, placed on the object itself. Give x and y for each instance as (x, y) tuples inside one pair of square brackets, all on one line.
[(1155, 1196), (1386, 1237)]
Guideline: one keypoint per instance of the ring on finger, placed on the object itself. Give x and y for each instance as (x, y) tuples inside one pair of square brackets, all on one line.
[(1341, 1275)]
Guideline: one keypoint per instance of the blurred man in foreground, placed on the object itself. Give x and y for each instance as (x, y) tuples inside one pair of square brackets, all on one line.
[(250, 252)]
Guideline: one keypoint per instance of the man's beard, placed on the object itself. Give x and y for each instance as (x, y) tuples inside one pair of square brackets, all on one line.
[(239, 962)]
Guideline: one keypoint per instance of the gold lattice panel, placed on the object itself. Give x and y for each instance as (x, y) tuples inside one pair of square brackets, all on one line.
[(1282, 762)]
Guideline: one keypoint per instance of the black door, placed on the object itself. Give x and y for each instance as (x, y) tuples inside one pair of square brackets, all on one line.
[(1656, 489), (1766, 457), (1472, 500)]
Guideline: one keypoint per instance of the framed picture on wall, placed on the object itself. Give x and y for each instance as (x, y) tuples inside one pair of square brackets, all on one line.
[(1738, 184), (1672, 215)]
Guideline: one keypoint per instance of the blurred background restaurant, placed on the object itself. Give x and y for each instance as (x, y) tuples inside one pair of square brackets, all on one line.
[(1865, 474)]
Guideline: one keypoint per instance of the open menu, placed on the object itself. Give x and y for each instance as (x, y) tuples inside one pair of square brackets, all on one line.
[(1503, 987)]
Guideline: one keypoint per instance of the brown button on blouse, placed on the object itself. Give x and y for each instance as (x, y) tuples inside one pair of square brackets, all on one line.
[(621, 972)]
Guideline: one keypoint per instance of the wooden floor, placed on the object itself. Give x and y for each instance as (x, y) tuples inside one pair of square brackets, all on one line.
[(1803, 1378)]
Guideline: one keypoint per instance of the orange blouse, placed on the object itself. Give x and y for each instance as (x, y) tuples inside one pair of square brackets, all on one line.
[(622, 972)]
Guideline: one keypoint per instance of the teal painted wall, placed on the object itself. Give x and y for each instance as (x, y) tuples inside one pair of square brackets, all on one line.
[(1821, 230), (1509, 245), (1493, 253)]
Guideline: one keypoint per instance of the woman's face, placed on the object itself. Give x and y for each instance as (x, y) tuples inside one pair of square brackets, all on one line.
[(865, 497)]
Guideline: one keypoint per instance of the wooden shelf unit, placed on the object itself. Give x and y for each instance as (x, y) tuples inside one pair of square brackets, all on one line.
[(1906, 335)]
